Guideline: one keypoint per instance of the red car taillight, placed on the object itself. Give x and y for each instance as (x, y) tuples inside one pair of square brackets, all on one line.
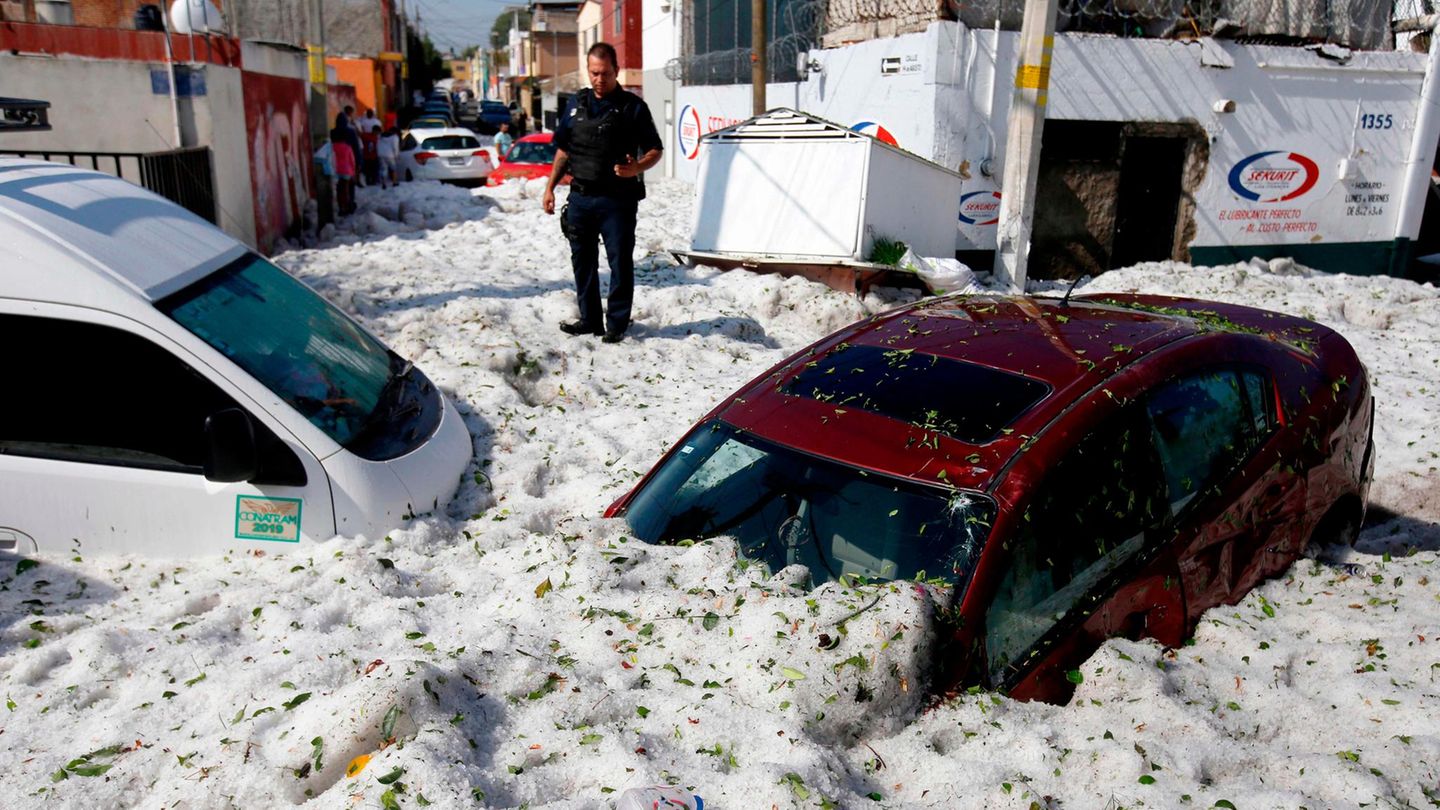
[(421, 157), (481, 154)]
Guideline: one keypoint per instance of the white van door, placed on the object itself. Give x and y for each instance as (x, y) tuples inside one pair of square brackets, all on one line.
[(106, 432)]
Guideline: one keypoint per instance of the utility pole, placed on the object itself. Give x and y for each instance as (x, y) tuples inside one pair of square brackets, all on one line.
[(319, 103), (1422, 148), (404, 60), (758, 67), (315, 49), (1022, 143)]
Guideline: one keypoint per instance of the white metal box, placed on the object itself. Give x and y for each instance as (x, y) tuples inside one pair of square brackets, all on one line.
[(788, 187)]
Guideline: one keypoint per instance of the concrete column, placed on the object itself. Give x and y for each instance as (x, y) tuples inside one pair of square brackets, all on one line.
[(1022, 143)]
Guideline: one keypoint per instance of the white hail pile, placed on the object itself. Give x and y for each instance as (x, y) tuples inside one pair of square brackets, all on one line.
[(520, 651)]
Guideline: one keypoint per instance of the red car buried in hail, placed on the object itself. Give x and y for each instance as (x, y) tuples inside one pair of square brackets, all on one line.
[(1109, 465), (530, 157)]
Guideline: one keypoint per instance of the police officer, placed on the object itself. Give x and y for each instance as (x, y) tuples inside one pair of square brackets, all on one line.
[(605, 140)]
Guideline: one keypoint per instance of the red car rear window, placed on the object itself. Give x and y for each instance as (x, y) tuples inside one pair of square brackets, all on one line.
[(962, 400), (531, 152)]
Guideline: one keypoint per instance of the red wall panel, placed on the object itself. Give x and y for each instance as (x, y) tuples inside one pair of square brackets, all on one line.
[(277, 120)]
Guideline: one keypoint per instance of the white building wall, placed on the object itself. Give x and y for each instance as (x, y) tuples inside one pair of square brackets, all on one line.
[(519, 59), (944, 94), (661, 37), (660, 43), (588, 24), (220, 124), (274, 60), (112, 106), (1287, 101)]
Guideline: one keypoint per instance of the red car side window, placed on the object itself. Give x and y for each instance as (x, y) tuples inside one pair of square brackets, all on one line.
[(1088, 519), (1204, 426)]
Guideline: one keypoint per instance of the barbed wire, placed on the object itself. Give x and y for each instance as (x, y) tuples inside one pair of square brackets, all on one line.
[(1361, 24), (796, 28), (904, 14)]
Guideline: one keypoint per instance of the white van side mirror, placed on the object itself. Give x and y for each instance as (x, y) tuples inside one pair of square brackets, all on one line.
[(230, 453)]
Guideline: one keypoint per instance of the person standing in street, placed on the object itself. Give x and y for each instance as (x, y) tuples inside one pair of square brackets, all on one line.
[(345, 122), (605, 139), (344, 159), (389, 150), (369, 155), (504, 140)]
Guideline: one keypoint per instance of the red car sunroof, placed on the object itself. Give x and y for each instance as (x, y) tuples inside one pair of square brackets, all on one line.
[(962, 400)]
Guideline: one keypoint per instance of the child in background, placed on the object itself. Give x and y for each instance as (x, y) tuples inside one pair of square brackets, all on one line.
[(344, 158), (370, 153), (388, 149)]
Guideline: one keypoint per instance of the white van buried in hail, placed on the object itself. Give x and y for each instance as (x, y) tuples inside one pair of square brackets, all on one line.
[(170, 392)]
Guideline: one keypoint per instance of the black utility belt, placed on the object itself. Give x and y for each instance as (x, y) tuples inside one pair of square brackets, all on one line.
[(596, 188)]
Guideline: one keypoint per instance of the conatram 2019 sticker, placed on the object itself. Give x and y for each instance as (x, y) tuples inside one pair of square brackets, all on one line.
[(260, 518)]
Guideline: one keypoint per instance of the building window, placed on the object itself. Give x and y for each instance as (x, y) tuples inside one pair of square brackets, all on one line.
[(619, 16)]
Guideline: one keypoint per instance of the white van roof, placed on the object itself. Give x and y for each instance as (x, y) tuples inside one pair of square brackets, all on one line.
[(75, 236)]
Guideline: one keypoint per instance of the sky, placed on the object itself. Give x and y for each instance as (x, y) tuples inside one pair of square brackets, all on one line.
[(456, 24), (518, 649)]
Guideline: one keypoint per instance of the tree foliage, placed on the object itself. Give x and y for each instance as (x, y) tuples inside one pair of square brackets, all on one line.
[(510, 17), (426, 66)]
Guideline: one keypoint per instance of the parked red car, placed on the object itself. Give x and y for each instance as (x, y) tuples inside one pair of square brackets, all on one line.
[(530, 157), (1110, 465)]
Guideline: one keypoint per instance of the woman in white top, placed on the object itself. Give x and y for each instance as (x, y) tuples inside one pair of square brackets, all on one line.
[(387, 150)]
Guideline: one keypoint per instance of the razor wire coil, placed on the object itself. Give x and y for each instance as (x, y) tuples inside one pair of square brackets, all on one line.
[(717, 32)]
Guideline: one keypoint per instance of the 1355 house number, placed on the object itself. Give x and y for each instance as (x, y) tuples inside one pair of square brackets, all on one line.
[(1376, 121)]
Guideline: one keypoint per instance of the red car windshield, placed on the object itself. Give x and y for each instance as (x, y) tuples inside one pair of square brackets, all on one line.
[(531, 152), (787, 508)]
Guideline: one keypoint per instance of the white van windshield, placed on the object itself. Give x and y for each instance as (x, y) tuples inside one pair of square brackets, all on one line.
[(291, 340)]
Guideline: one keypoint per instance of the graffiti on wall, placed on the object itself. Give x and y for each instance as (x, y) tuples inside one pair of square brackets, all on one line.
[(278, 125)]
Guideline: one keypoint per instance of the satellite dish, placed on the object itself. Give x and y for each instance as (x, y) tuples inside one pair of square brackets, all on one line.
[(196, 17)]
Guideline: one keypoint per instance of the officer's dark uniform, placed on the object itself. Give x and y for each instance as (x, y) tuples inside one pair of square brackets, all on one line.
[(597, 134)]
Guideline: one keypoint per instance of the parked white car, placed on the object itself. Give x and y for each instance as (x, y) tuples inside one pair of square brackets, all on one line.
[(171, 392), (454, 155)]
